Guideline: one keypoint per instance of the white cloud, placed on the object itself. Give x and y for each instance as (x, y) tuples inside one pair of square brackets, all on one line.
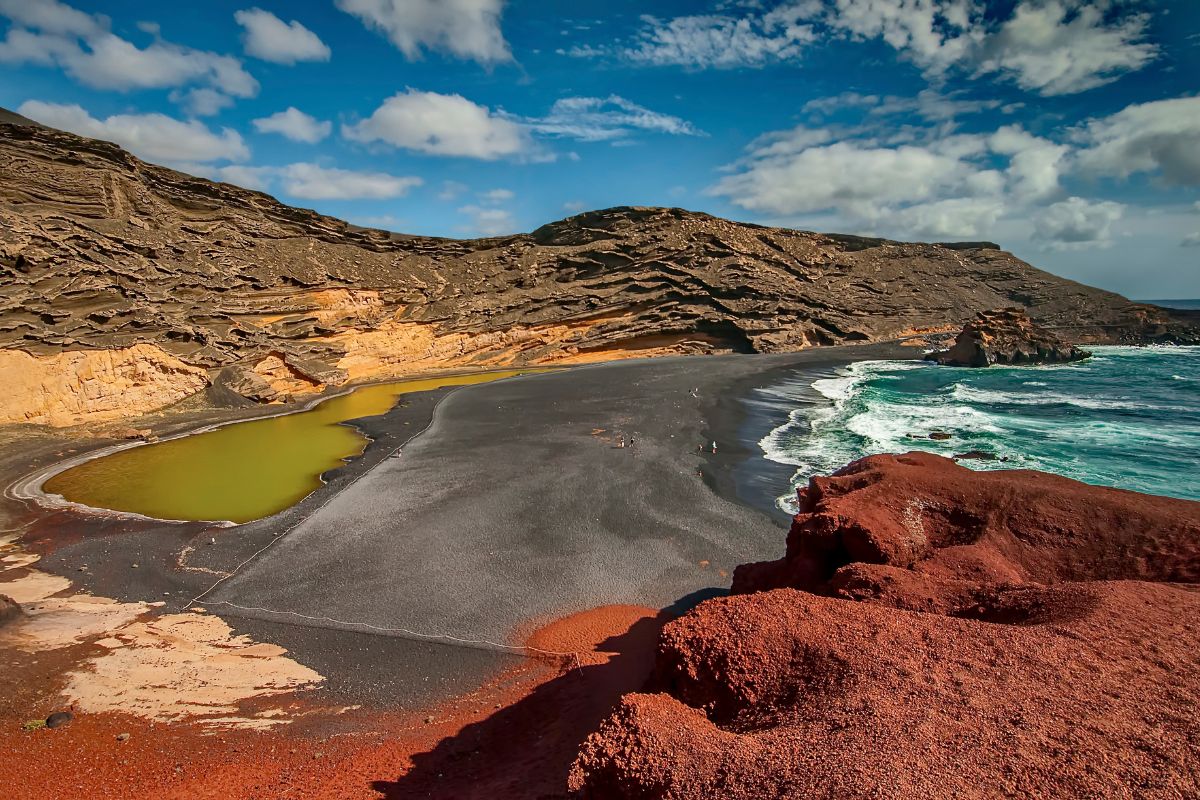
[(1059, 47), (593, 119), (1191, 240), (574, 206), (155, 137), (1076, 223), (51, 33), (468, 29), (294, 124), (783, 177), (314, 182), (441, 124), (257, 178), (309, 181), (934, 33), (719, 41), (202, 101), (1161, 137), (958, 217), (489, 221), (497, 195), (1034, 163), (271, 39), (1051, 47)]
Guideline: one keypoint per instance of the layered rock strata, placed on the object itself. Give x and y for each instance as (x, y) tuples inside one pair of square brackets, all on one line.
[(957, 634), (100, 251)]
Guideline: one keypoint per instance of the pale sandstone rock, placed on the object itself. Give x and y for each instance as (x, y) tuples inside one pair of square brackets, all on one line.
[(83, 386)]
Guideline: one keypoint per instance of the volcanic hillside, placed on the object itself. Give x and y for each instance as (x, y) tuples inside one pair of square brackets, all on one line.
[(126, 286)]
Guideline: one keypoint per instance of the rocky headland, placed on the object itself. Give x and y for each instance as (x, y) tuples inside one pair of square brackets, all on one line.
[(125, 287), (1006, 336), (932, 631)]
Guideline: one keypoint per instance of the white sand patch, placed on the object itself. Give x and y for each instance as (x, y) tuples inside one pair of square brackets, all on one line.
[(18, 560), (183, 665), (34, 586), (63, 621)]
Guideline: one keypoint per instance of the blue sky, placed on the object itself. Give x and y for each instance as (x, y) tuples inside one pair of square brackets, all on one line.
[(1067, 131)]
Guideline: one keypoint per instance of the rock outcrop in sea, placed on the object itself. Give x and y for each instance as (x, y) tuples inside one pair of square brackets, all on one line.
[(1006, 336), (932, 632), (125, 286)]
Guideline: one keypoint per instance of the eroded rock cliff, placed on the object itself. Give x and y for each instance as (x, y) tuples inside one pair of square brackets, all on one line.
[(101, 251)]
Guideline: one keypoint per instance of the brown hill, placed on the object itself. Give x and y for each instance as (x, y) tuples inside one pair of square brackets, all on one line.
[(125, 286)]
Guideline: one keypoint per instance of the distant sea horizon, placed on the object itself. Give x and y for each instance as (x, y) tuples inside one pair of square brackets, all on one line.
[(1174, 303)]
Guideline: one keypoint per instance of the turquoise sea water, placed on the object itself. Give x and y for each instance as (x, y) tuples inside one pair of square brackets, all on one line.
[(1127, 417)]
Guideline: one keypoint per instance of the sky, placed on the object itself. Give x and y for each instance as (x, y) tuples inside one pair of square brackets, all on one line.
[(1067, 131)]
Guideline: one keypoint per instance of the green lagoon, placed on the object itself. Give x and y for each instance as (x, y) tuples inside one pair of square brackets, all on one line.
[(244, 471)]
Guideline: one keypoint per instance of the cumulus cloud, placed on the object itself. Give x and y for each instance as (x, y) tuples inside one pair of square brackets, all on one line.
[(489, 221), (468, 29), (934, 34), (1191, 240), (202, 101), (268, 37), (51, 33), (155, 137), (1076, 223), (791, 174), (443, 125), (314, 182), (294, 124), (1051, 47), (1162, 137), (1034, 163), (594, 119), (1056, 47)]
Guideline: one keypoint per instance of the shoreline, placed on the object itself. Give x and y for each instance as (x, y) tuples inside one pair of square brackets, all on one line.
[(29, 488), (477, 531)]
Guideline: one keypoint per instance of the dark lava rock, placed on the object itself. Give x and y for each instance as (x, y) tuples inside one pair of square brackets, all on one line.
[(1006, 336), (939, 436), (975, 455), (59, 719)]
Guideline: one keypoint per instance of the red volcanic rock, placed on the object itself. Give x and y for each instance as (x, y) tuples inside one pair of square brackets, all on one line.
[(787, 694), (923, 512), (965, 634)]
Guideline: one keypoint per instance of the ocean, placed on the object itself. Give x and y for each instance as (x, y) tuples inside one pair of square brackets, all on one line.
[(1127, 417)]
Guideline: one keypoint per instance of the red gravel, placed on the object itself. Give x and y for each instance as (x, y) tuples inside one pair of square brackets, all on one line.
[(514, 738), (1029, 664)]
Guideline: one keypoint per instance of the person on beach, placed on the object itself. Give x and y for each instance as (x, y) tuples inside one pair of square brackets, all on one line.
[(622, 443), (714, 448), (631, 441)]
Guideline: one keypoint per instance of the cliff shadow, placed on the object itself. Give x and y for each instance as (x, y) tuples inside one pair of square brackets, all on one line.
[(524, 751)]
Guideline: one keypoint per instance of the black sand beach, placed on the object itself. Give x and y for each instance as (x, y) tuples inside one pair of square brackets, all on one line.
[(514, 505)]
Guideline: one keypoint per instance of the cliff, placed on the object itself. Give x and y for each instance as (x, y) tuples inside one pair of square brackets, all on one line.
[(100, 251)]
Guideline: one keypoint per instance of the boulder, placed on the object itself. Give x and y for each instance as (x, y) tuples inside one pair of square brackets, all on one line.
[(1006, 336)]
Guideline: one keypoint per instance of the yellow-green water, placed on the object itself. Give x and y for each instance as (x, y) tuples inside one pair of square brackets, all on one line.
[(240, 472)]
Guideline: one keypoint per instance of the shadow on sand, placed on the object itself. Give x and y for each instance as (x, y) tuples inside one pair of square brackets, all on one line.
[(525, 751)]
